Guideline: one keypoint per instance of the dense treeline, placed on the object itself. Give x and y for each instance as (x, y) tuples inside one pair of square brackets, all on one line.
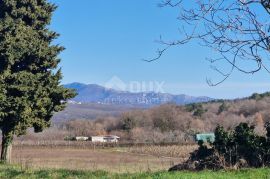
[(170, 122)]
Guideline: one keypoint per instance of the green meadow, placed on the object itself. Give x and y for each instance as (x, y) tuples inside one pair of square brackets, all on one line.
[(8, 171)]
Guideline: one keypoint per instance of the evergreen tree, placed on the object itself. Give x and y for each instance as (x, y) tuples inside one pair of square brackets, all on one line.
[(30, 90), (223, 107)]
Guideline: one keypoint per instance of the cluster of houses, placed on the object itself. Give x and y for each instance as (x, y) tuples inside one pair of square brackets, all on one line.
[(98, 139), (205, 137)]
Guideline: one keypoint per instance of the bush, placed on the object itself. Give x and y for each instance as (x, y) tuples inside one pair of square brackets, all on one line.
[(223, 107), (196, 108), (231, 149)]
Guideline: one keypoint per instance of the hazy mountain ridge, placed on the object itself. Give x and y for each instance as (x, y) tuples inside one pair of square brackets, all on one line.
[(94, 101), (93, 93), (90, 111)]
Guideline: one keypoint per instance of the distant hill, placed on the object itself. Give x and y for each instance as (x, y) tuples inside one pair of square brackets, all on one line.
[(94, 101), (90, 111), (93, 93)]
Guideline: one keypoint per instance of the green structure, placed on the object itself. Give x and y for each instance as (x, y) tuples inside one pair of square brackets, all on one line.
[(206, 137)]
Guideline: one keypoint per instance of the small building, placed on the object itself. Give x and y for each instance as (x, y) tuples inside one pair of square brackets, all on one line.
[(205, 137), (81, 138), (107, 138)]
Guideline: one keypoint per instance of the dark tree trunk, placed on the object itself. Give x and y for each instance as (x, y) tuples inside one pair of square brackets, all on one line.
[(6, 147)]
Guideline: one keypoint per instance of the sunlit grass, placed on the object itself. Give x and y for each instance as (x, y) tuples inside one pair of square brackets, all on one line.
[(8, 171)]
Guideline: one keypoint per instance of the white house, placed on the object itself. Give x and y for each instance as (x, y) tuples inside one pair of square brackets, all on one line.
[(107, 138), (81, 138)]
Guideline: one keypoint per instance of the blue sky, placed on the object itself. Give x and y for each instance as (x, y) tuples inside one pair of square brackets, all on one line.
[(106, 38)]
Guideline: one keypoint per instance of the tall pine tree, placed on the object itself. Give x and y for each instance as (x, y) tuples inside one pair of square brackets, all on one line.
[(30, 90)]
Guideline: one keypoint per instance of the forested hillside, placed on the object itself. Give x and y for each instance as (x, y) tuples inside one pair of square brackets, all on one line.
[(169, 122)]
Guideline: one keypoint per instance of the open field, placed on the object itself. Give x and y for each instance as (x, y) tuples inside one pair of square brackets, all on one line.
[(17, 172), (85, 161), (111, 159)]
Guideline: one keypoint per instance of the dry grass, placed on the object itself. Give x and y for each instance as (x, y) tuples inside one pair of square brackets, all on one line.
[(120, 160), (176, 151)]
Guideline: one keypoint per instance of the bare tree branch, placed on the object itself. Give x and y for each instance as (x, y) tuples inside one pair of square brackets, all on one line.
[(238, 30)]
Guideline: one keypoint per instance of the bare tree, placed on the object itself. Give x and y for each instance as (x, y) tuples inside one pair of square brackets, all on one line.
[(238, 30)]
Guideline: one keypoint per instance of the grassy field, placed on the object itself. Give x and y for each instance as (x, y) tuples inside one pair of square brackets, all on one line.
[(116, 159), (17, 172), (116, 162)]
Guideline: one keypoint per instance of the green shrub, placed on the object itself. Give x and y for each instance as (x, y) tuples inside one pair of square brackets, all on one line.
[(231, 149), (223, 107), (196, 108)]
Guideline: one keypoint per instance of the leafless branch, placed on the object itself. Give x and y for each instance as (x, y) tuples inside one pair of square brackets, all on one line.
[(238, 30)]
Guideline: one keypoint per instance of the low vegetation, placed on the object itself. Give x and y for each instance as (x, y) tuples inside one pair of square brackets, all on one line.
[(238, 148), (17, 172), (176, 151)]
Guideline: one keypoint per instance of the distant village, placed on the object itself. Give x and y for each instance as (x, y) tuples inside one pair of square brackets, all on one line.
[(205, 137), (96, 139)]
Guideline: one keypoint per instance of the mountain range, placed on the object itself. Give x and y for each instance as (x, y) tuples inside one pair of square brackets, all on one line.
[(94, 101), (97, 94)]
